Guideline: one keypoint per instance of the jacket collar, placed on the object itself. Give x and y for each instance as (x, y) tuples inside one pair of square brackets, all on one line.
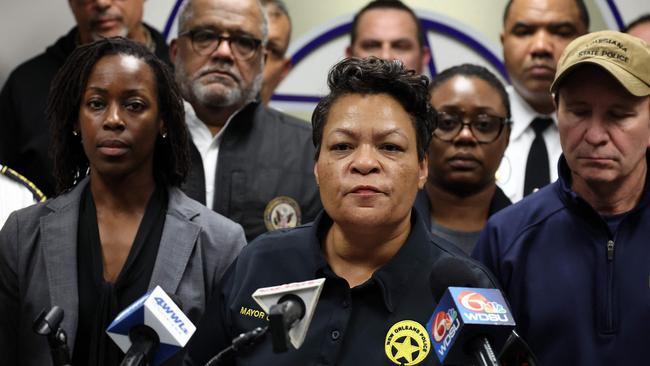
[(64, 46), (180, 235), (59, 242), (522, 114), (423, 205), (572, 198), (242, 123)]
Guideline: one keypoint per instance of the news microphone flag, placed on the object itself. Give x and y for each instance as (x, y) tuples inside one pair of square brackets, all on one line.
[(156, 310), (308, 291), (464, 313)]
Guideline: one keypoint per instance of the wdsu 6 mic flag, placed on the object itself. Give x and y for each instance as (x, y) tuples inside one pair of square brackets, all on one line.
[(467, 323), (153, 325)]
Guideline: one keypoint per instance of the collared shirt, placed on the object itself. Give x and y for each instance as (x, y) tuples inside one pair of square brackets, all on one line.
[(265, 172), (350, 326), (208, 147), (512, 171)]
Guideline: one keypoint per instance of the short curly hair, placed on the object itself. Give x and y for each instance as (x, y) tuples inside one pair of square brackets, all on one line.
[(376, 76), (171, 155)]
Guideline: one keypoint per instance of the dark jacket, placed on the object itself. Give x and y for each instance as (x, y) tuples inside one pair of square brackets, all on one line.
[(38, 267), (423, 205), (499, 201), (578, 291), (24, 130), (350, 326), (263, 154)]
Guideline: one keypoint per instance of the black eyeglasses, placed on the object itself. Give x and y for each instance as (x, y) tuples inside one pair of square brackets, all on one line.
[(205, 41), (485, 128)]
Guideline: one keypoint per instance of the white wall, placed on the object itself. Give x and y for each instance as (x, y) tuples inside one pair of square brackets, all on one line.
[(27, 27)]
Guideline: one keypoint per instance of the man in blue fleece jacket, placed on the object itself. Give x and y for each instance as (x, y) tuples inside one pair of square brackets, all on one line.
[(574, 257)]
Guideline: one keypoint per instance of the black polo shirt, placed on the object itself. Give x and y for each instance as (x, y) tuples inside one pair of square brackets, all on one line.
[(350, 326)]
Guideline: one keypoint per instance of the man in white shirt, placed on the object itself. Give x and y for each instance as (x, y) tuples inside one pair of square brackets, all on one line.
[(250, 163), (16, 192), (535, 34)]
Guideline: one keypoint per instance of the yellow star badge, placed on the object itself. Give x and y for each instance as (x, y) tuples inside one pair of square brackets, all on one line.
[(407, 343)]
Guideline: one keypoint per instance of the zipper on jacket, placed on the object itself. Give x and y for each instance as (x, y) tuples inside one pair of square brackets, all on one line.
[(609, 317), (610, 250)]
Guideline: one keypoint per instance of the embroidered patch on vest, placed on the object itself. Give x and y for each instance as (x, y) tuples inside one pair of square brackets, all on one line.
[(282, 212)]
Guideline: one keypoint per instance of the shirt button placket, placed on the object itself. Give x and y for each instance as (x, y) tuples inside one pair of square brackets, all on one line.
[(335, 335)]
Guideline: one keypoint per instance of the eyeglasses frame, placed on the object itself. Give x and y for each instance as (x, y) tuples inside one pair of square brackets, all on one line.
[(220, 38), (504, 121)]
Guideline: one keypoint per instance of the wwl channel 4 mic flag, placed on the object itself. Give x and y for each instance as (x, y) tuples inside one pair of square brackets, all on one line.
[(157, 311), (463, 314)]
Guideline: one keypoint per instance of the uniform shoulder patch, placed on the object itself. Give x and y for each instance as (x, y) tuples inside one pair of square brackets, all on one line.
[(19, 178)]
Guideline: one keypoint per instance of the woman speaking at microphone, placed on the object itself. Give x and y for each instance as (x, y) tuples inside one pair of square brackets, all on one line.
[(383, 272), (120, 225)]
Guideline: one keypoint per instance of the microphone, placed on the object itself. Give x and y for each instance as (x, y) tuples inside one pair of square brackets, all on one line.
[(151, 329), (451, 272), (290, 308), (49, 325), (467, 323), (283, 316), (516, 352)]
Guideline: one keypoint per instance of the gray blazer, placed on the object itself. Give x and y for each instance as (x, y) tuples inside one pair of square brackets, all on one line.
[(38, 266)]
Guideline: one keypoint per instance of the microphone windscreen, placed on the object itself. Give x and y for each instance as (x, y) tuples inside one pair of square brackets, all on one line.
[(157, 311), (463, 315), (450, 272)]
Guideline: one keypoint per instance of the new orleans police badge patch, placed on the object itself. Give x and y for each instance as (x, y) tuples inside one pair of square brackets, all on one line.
[(407, 343), (282, 212)]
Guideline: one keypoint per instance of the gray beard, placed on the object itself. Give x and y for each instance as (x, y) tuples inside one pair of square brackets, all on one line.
[(233, 96), (195, 92), (123, 33)]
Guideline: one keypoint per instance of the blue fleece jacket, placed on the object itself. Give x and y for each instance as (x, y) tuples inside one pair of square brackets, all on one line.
[(579, 292)]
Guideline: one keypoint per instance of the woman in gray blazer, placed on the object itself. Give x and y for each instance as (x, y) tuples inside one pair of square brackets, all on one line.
[(120, 225)]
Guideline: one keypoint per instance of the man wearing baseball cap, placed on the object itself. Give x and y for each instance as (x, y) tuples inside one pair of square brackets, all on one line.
[(575, 258)]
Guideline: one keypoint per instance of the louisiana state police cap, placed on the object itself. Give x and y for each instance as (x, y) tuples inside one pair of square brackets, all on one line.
[(625, 57)]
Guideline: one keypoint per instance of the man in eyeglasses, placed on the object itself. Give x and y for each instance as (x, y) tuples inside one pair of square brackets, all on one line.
[(464, 153), (249, 163)]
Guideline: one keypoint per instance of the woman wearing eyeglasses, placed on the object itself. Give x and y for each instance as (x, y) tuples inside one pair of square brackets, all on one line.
[(464, 154)]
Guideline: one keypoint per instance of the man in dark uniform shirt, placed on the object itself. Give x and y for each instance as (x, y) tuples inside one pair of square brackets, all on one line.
[(250, 163), (24, 130)]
